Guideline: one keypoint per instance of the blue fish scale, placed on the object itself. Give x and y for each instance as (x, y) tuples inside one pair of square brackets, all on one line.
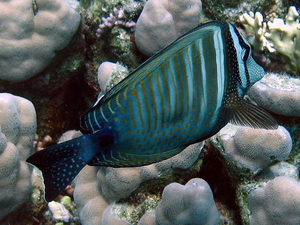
[(176, 104)]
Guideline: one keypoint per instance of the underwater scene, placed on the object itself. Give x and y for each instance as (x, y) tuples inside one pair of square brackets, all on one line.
[(149, 112)]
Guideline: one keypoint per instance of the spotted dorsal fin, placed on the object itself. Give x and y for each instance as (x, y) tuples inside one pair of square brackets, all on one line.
[(245, 113)]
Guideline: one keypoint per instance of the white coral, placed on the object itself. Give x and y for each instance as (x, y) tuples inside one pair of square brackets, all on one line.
[(278, 202), (269, 146), (255, 29), (276, 36), (192, 203), (18, 127), (278, 93), (30, 34), (162, 22)]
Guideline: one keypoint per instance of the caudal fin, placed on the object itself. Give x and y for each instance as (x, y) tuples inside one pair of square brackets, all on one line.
[(61, 163)]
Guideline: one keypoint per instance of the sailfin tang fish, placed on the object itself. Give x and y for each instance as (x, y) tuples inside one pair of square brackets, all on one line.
[(184, 94)]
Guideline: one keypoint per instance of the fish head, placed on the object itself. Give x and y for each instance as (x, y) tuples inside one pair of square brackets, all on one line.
[(249, 72)]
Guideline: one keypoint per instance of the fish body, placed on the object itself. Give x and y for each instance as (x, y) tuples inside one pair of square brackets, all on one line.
[(182, 95)]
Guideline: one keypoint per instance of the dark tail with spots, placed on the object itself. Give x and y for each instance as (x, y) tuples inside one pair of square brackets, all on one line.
[(62, 162)]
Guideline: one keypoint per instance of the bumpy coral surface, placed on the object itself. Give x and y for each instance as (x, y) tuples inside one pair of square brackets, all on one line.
[(192, 203), (30, 34), (269, 145), (17, 131), (97, 188), (278, 202), (277, 93), (162, 22), (110, 74)]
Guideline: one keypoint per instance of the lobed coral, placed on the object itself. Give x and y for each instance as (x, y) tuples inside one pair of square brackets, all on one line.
[(172, 19), (17, 132), (97, 188), (237, 145), (278, 93), (192, 203), (277, 202), (30, 34), (110, 74), (99, 191)]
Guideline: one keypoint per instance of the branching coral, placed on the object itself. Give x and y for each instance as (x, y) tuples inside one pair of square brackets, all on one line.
[(116, 18), (276, 36), (30, 36)]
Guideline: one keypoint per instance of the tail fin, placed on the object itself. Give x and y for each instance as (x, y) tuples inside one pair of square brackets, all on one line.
[(62, 162)]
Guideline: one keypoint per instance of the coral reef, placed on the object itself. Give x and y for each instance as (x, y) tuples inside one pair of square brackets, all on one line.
[(115, 19), (110, 74), (253, 172), (238, 147), (17, 132), (278, 93), (172, 19), (276, 36), (192, 203), (63, 211), (31, 32), (97, 188), (277, 202)]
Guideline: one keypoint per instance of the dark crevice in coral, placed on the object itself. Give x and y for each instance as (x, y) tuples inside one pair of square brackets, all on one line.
[(28, 213), (217, 174)]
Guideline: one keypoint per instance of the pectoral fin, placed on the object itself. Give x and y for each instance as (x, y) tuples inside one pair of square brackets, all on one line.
[(245, 113)]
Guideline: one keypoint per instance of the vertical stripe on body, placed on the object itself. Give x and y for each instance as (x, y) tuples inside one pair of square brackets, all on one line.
[(188, 79)]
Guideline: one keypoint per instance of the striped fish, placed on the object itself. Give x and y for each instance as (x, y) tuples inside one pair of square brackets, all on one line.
[(184, 94)]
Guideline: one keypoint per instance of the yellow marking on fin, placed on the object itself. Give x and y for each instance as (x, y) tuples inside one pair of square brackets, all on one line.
[(109, 106), (152, 96), (118, 103), (167, 86), (146, 101), (139, 104), (132, 114), (161, 96)]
